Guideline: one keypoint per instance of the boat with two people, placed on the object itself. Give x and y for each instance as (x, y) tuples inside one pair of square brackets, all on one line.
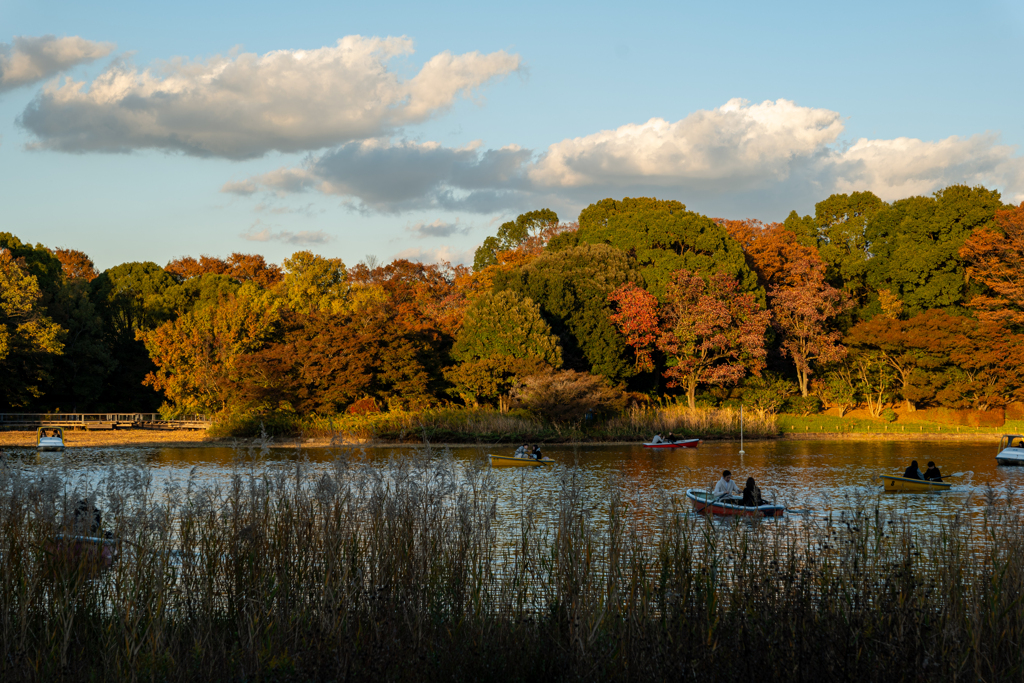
[(731, 506), (670, 442), (50, 439), (527, 455), (914, 481), (1011, 450)]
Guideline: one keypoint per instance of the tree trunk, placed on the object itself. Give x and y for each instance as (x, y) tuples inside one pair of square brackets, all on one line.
[(691, 394), (910, 405), (801, 376)]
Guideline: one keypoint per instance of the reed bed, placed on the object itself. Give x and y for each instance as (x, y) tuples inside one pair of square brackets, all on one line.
[(410, 571), (457, 424)]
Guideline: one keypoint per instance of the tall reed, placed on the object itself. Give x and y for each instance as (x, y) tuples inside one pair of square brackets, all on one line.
[(412, 571)]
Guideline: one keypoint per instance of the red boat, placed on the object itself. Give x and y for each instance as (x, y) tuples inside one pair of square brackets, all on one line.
[(684, 443), (729, 507)]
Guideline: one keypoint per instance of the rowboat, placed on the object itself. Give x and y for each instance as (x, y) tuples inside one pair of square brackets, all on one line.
[(49, 439), (907, 485), (91, 553), (684, 443), (706, 503), (510, 461), (1009, 454)]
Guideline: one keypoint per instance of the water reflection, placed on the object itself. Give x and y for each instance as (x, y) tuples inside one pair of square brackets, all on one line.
[(828, 476)]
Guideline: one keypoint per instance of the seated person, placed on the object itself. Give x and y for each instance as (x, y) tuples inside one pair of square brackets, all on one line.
[(912, 472), (523, 451), (657, 439), (752, 494), (671, 438), (537, 454), (726, 487), (932, 474)]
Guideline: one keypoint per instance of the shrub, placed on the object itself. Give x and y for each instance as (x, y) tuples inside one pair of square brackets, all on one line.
[(567, 395), (803, 405), (889, 415), (768, 392)]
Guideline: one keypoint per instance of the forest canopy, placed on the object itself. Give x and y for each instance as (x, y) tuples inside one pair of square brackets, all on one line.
[(917, 302)]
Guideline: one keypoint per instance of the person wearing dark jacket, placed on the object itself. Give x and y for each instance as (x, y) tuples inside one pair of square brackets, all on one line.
[(912, 472), (752, 494), (932, 474)]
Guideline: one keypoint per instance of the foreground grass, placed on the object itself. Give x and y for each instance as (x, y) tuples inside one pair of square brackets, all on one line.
[(408, 573), (485, 425)]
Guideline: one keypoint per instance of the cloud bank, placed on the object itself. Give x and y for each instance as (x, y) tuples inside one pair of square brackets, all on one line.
[(264, 233), (740, 156), (438, 228), (245, 105), (32, 59)]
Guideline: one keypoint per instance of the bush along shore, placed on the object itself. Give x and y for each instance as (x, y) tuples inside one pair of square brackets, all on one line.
[(406, 571), (486, 425)]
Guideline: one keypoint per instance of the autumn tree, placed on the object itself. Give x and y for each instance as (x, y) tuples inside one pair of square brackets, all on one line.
[(636, 318), (663, 237), (774, 252), (195, 352), (804, 310), (993, 256), (76, 264), (314, 283), (26, 333), (242, 267), (712, 332)]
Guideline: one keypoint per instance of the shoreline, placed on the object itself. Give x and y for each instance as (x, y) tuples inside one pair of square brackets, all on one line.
[(194, 439)]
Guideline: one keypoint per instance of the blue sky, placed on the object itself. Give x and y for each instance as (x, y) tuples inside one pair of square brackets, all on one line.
[(243, 145)]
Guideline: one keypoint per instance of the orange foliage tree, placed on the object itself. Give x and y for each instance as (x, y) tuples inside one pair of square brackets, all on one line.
[(76, 264), (995, 258)]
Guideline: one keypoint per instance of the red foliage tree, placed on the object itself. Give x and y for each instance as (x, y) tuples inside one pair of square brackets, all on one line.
[(802, 312), (636, 319), (242, 267), (994, 258), (774, 252), (711, 334)]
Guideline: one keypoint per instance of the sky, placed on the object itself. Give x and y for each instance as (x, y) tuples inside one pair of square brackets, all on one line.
[(149, 131)]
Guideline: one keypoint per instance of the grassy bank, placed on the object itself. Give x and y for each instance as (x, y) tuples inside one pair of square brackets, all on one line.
[(285, 573), (831, 425), (483, 425)]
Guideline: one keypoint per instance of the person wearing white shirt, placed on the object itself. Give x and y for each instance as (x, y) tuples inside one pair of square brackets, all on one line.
[(657, 439), (726, 486)]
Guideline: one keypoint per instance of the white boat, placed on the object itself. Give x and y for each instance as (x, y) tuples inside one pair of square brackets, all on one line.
[(50, 439), (1011, 450)]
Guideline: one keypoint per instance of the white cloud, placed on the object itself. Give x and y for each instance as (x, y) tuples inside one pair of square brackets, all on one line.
[(744, 145), (32, 59), (738, 159), (438, 228), (244, 105), (264, 233), (439, 255)]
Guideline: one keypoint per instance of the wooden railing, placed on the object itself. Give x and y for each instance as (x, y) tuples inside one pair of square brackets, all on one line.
[(100, 421)]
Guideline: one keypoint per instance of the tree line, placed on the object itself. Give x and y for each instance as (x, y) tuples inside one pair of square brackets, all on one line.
[(917, 302)]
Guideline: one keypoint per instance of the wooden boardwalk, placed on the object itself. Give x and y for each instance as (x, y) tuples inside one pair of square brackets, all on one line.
[(98, 421)]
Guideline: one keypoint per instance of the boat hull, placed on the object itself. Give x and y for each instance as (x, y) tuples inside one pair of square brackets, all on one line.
[(704, 503), (509, 461), (904, 485), (685, 443), (1010, 456)]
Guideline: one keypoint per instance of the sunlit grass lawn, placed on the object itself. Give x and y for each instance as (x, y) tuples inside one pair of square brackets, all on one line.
[(830, 424)]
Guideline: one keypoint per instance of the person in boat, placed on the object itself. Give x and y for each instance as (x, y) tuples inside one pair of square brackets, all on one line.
[(537, 454), (912, 472), (726, 487), (932, 473), (671, 438), (523, 451), (657, 439), (752, 494), (87, 521)]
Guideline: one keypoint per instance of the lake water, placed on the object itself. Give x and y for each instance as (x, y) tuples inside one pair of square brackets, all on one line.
[(827, 476)]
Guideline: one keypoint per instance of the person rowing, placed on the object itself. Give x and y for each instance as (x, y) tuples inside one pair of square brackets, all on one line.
[(932, 473), (657, 438), (536, 453), (726, 487)]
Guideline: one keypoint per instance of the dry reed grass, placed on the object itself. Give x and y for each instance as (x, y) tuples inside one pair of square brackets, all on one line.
[(408, 572)]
